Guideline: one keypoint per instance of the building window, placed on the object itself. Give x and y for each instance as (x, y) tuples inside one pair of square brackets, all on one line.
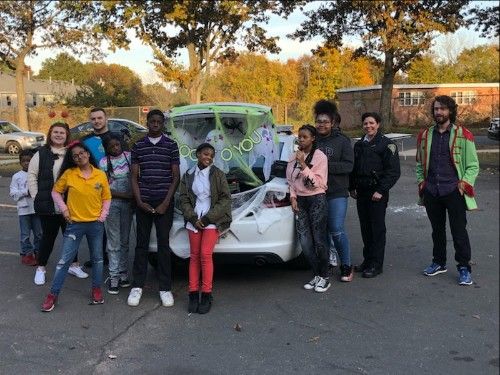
[(9, 101), (464, 97), (411, 98)]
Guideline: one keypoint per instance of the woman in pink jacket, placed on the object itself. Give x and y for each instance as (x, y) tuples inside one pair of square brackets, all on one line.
[(307, 175)]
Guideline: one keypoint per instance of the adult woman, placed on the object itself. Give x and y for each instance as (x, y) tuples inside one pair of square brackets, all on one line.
[(307, 174), (337, 148), (376, 170), (86, 209), (43, 170), (206, 205)]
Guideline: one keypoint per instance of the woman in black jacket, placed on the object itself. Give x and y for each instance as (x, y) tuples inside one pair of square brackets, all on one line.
[(337, 148), (376, 170)]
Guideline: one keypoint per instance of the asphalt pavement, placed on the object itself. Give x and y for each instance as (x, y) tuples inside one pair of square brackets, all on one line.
[(262, 320)]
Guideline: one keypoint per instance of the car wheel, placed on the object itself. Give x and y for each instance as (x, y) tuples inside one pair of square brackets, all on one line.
[(13, 148)]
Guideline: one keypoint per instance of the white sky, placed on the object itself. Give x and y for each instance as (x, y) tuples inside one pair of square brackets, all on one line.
[(138, 56)]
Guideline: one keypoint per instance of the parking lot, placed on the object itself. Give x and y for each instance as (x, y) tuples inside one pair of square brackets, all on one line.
[(262, 321)]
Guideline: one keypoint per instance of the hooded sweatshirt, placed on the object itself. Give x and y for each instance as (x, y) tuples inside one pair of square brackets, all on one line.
[(338, 150)]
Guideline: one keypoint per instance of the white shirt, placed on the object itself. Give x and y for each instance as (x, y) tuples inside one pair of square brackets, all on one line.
[(19, 192), (154, 140), (201, 188)]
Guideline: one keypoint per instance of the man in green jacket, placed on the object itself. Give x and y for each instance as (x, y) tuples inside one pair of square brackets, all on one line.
[(447, 167)]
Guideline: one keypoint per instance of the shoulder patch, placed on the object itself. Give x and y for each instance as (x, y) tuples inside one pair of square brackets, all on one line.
[(467, 134), (392, 147)]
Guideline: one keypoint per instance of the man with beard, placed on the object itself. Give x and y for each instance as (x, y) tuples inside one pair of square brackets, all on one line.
[(447, 167)]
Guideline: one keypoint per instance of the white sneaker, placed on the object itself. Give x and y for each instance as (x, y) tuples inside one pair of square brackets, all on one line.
[(39, 277), (78, 272), (311, 284), (322, 285), (333, 258), (134, 297), (167, 298)]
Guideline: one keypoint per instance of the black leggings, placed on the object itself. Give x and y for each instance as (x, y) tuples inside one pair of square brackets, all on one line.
[(50, 228)]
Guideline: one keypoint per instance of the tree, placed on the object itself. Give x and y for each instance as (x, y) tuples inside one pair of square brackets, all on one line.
[(63, 67), (479, 64), (29, 26), (327, 70), (110, 85), (424, 70), (486, 20), (209, 30), (399, 30)]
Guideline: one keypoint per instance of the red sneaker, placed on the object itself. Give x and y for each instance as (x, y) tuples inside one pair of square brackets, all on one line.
[(28, 260), (97, 297), (49, 303)]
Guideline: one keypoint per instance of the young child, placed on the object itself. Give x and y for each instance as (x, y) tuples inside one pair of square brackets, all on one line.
[(206, 206), (116, 165), (28, 220)]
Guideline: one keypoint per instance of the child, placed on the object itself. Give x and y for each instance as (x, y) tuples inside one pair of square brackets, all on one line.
[(116, 165), (206, 206), (307, 175), (28, 220), (86, 209)]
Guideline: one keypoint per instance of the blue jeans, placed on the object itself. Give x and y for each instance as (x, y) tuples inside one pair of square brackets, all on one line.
[(118, 232), (337, 210), (28, 224), (73, 235)]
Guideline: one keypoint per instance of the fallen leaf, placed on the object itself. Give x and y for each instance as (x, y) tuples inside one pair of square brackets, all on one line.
[(476, 316), (237, 327), (312, 339), (112, 356)]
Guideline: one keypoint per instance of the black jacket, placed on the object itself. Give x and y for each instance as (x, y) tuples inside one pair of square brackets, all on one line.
[(44, 205), (376, 165), (338, 150)]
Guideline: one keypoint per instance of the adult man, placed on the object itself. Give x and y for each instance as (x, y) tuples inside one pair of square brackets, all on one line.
[(155, 177), (447, 167), (93, 141), (100, 130), (337, 148)]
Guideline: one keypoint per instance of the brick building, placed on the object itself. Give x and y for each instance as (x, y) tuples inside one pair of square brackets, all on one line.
[(477, 102)]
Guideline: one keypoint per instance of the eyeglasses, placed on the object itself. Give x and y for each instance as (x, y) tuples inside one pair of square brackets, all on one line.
[(323, 122), (79, 155)]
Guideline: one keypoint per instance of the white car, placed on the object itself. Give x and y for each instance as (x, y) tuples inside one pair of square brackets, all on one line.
[(253, 152), (13, 139)]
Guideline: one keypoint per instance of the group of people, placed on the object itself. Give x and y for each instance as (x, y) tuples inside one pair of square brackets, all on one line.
[(93, 186)]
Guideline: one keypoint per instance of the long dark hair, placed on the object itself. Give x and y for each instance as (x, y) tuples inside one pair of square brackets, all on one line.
[(312, 130), (68, 161), (449, 103)]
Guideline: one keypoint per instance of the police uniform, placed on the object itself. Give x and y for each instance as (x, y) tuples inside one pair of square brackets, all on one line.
[(376, 169)]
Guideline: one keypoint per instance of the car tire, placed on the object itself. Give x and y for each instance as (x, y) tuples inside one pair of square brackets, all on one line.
[(176, 261), (13, 148)]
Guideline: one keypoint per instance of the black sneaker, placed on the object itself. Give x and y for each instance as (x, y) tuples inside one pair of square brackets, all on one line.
[(113, 287), (124, 281)]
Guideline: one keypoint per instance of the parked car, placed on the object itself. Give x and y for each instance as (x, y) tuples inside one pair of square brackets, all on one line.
[(118, 125), (13, 139), (494, 128), (253, 152)]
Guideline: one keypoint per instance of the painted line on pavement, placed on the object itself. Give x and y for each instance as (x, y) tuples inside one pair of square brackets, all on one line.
[(8, 253)]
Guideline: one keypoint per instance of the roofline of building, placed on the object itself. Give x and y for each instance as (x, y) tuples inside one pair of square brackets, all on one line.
[(420, 86)]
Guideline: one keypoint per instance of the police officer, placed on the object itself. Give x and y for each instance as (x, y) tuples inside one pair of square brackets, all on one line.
[(376, 170)]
